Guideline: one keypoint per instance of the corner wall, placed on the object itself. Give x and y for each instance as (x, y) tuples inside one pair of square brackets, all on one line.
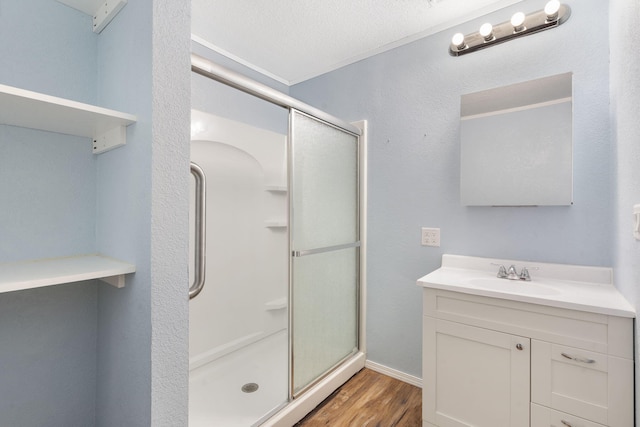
[(142, 215), (625, 110)]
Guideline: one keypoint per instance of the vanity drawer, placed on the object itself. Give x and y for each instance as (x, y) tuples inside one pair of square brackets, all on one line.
[(592, 331), (583, 383), (544, 417)]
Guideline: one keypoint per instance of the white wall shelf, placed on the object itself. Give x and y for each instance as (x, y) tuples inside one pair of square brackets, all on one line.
[(106, 128), (17, 276)]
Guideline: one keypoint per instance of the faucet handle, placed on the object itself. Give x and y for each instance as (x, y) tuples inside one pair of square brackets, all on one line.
[(524, 275), (502, 272), (512, 274)]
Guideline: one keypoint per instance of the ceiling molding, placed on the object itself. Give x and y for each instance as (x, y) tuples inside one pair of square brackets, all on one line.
[(448, 15), (202, 42)]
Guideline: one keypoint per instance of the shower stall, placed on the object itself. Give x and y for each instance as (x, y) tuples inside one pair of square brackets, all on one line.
[(277, 254)]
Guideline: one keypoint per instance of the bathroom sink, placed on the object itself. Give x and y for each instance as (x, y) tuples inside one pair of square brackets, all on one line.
[(584, 288), (511, 286)]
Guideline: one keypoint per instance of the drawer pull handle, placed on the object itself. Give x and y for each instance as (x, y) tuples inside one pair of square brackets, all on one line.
[(577, 359), (566, 423)]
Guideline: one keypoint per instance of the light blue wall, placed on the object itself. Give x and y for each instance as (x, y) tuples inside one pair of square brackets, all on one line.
[(46, 48), (411, 99), (47, 199), (123, 216), (625, 110), (142, 216)]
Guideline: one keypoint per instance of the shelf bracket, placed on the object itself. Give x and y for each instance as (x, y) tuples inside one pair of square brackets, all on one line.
[(102, 11), (116, 281), (105, 13), (110, 139)]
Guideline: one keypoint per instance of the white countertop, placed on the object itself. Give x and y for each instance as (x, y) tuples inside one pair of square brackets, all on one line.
[(557, 285)]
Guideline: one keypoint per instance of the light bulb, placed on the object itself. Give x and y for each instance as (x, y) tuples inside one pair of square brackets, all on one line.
[(517, 20), (458, 41), (551, 10), (486, 31)]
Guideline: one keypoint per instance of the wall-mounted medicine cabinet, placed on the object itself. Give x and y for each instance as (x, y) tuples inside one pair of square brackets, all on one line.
[(516, 144)]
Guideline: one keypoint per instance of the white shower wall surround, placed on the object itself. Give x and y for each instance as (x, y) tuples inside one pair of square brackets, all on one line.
[(238, 323), (246, 217)]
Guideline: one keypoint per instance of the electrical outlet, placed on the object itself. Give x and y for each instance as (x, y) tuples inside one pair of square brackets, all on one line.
[(430, 237)]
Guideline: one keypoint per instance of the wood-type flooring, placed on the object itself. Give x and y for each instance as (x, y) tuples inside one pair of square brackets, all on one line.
[(369, 399)]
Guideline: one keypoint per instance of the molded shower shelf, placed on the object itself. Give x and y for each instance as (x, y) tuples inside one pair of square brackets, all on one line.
[(276, 304), (17, 276), (276, 188), (275, 224), (106, 128)]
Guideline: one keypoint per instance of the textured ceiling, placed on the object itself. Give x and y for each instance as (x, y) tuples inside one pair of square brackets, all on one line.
[(294, 40)]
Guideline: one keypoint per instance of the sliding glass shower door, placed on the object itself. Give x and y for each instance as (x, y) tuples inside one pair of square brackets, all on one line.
[(325, 249)]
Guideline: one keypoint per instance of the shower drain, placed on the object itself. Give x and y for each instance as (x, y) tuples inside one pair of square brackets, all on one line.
[(249, 387)]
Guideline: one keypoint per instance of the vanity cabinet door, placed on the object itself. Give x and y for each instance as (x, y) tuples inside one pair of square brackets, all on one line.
[(474, 377)]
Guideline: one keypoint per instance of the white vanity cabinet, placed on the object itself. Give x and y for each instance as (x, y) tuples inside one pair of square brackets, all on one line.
[(490, 360)]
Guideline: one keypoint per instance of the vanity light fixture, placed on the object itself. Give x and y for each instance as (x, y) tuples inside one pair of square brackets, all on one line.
[(553, 14)]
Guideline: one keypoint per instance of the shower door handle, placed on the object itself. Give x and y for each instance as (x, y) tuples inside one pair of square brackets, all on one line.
[(200, 239)]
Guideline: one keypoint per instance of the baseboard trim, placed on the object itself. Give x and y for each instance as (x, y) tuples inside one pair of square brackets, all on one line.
[(393, 373)]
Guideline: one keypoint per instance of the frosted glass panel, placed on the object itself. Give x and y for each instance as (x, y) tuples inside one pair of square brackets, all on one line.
[(324, 312), (324, 185), (325, 273)]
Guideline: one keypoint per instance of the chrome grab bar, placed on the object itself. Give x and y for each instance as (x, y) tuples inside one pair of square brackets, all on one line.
[(200, 231)]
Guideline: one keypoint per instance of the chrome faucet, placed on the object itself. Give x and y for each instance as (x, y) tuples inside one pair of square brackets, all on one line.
[(512, 273)]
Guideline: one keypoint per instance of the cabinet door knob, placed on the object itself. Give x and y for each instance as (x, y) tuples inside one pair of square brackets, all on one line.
[(519, 346)]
